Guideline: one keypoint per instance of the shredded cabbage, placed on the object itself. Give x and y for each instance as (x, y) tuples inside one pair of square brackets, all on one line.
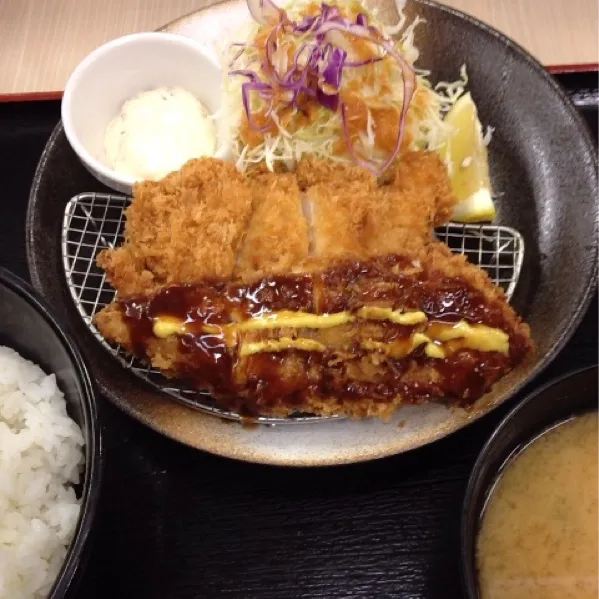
[(425, 126)]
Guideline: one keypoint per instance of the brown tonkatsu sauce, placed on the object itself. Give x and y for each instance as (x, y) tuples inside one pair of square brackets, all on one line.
[(207, 359)]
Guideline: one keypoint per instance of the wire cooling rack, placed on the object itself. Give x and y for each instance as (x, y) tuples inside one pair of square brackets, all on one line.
[(94, 221)]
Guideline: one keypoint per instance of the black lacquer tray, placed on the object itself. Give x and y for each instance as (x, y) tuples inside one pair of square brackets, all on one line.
[(543, 166), (178, 523)]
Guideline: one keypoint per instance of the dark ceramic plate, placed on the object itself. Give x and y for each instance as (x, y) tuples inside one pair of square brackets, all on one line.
[(556, 402), (542, 161), (28, 326)]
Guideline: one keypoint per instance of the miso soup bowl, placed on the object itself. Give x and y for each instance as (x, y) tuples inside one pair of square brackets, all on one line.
[(556, 402)]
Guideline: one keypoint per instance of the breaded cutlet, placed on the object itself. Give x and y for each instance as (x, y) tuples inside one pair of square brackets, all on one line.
[(338, 216), (421, 177), (185, 227), (316, 291), (209, 220), (350, 215), (276, 237), (365, 364), (355, 221), (313, 171)]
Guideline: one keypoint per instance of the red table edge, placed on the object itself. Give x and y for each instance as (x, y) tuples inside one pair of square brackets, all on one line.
[(571, 68), (56, 95), (30, 96)]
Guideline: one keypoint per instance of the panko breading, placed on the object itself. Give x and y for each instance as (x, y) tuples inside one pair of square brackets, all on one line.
[(317, 291), (185, 227), (339, 218), (350, 215), (419, 171), (276, 238), (355, 221), (312, 171)]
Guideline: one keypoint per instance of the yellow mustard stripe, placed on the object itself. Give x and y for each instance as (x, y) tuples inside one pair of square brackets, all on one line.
[(472, 336), (285, 318), (477, 336), (432, 350), (276, 345), (165, 326), (400, 349), (397, 316)]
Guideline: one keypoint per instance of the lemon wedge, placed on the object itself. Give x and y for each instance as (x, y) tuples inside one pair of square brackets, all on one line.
[(465, 153)]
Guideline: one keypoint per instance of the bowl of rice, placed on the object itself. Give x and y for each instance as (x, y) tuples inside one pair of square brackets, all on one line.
[(50, 451)]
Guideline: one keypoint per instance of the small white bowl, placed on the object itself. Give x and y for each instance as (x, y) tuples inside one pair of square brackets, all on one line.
[(121, 68)]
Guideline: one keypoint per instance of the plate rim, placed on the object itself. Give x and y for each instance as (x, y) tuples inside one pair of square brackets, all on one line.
[(559, 90), (225, 450)]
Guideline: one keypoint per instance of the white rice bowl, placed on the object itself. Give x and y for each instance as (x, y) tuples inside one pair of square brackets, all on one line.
[(41, 458)]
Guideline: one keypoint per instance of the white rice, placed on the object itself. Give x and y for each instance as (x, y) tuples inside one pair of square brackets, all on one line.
[(41, 457)]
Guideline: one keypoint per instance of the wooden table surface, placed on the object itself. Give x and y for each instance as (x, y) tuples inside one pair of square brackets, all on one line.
[(41, 41)]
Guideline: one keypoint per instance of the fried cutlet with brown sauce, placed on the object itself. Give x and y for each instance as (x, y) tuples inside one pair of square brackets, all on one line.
[(316, 291), (366, 362)]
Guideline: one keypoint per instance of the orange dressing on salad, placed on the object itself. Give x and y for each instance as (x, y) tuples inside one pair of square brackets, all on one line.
[(312, 9), (290, 119), (385, 122), (384, 119)]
